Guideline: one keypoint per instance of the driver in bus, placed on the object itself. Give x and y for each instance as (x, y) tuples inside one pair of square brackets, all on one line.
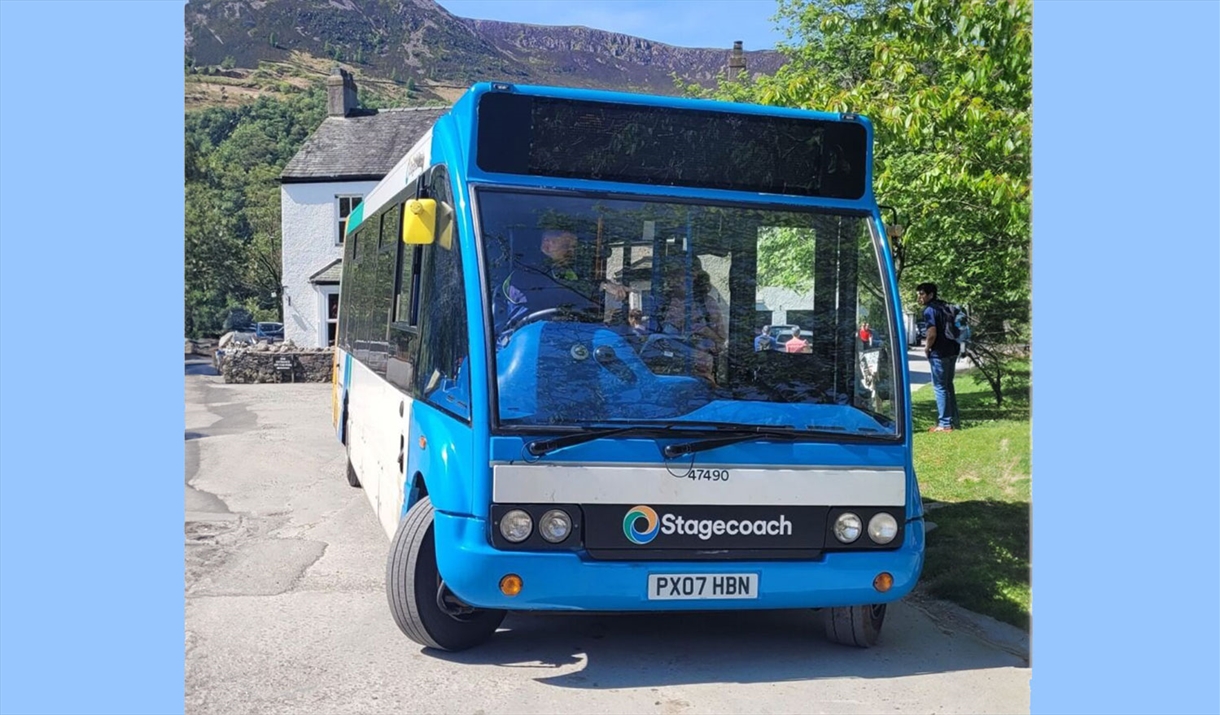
[(559, 250), (555, 283)]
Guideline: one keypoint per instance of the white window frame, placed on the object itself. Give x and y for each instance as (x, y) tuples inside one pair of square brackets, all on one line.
[(324, 293), (340, 237)]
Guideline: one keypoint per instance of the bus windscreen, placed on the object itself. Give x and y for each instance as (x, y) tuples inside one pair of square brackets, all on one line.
[(547, 136)]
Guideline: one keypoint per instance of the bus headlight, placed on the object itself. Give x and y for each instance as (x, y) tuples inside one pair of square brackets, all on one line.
[(847, 527), (882, 528), (555, 525), (516, 526)]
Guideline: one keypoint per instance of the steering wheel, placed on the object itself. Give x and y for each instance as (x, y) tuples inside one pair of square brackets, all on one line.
[(548, 313), (654, 338)]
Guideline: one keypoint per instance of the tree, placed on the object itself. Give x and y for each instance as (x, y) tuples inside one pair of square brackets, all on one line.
[(234, 156), (213, 257), (237, 318), (784, 255), (947, 86)]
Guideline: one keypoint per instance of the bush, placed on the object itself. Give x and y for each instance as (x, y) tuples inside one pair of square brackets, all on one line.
[(237, 317)]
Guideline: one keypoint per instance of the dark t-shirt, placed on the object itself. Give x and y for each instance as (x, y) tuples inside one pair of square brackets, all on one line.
[(935, 314)]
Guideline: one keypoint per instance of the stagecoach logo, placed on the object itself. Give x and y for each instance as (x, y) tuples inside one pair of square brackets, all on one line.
[(641, 526), (632, 522)]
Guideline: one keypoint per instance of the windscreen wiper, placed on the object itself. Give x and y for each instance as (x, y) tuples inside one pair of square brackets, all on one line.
[(539, 447), (677, 450), (884, 420)]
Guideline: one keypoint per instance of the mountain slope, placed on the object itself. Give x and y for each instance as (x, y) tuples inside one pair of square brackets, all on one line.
[(418, 44)]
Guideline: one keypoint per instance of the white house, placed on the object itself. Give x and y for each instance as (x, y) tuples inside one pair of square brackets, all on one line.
[(337, 166)]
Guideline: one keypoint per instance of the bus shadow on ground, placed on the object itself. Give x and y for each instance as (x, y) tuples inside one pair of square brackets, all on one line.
[(653, 650)]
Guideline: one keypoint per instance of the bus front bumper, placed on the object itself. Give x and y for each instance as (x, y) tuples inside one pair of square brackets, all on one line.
[(564, 581)]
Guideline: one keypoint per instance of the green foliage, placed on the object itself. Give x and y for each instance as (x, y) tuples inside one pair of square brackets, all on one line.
[(947, 86), (784, 257), (228, 63), (370, 100), (234, 157), (237, 317)]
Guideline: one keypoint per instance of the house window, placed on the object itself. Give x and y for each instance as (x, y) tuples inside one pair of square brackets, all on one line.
[(332, 318), (346, 205)]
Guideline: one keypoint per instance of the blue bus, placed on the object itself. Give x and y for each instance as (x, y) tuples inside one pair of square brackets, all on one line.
[(556, 385)]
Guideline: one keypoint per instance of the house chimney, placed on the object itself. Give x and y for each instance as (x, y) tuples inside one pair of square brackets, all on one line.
[(340, 93), (737, 62)]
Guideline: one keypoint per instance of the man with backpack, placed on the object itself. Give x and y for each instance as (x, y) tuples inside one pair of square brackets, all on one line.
[(942, 348)]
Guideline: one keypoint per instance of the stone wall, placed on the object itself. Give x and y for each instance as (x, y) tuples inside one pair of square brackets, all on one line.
[(268, 364)]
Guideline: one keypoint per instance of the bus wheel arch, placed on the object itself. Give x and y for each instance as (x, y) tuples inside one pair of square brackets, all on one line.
[(417, 489), (353, 479), (343, 420), (415, 590)]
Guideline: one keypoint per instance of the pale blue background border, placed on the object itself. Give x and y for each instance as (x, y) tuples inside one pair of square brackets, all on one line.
[(1125, 370), (92, 417), (1125, 390)]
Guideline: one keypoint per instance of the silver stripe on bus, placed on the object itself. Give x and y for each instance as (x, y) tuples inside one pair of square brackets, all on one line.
[(712, 485)]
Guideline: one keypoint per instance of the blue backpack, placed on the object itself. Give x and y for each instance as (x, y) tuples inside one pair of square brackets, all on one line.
[(957, 323)]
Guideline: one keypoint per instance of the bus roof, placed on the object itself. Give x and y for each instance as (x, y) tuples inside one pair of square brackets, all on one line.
[(656, 100)]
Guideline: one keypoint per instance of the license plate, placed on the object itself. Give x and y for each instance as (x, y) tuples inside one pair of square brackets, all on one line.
[(697, 586)]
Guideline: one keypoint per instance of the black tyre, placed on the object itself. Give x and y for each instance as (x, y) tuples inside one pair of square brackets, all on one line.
[(858, 626), (413, 587), (352, 478)]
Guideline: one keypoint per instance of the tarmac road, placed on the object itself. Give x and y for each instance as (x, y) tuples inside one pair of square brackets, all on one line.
[(286, 610)]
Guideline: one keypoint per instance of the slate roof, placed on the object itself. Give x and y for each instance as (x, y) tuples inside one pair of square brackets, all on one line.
[(360, 147), (330, 274)]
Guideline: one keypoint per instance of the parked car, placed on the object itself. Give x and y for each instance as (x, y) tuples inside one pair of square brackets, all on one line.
[(782, 333), (269, 331)]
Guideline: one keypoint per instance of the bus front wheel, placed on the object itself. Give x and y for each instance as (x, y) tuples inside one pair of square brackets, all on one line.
[(854, 625), (422, 606)]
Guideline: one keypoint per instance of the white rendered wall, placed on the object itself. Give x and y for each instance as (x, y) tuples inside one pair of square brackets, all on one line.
[(309, 221), (780, 300)]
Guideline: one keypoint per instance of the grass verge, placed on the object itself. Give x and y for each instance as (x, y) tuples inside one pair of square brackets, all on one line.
[(976, 489)]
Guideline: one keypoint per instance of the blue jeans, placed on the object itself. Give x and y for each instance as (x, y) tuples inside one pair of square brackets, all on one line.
[(942, 385)]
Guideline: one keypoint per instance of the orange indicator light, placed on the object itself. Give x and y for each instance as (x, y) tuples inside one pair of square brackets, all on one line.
[(510, 585)]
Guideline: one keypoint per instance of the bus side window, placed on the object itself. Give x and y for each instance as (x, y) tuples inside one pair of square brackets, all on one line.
[(355, 291), (443, 376), (347, 294), (404, 319)]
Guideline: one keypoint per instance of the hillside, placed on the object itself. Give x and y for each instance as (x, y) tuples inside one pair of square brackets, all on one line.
[(411, 51)]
